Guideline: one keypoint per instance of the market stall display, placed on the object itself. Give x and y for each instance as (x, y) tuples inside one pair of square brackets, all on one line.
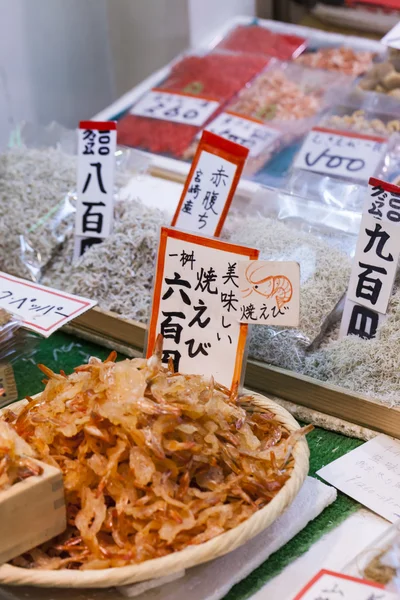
[(342, 60), (255, 39), (384, 77)]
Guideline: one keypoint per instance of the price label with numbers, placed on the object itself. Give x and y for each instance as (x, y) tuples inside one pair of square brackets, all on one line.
[(245, 131), (175, 107), (345, 154), (42, 309)]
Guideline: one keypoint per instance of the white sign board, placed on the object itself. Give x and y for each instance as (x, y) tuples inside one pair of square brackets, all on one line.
[(42, 309), (328, 585), (344, 154)]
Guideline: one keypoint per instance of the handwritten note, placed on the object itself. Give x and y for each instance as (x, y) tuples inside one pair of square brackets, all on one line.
[(252, 133), (196, 303), (175, 107), (269, 292), (42, 309), (375, 262), (371, 475), (328, 585), (210, 185), (341, 153), (96, 166)]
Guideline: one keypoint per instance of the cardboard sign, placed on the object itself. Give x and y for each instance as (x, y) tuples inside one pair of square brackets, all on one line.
[(196, 303), (42, 309), (328, 585), (269, 292), (210, 185), (392, 38), (344, 154), (248, 132), (96, 165), (375, 261), (371, 475), (176, 107)]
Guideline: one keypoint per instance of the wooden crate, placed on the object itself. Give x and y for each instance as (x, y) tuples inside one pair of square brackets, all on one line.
[(112, 331), (32, 511)]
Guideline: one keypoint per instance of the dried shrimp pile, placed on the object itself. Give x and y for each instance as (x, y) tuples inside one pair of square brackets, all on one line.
[(15, 461), (344, 60), (153, 461)]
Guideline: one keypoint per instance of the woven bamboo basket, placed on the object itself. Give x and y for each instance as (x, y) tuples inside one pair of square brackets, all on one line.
[(191, 556)]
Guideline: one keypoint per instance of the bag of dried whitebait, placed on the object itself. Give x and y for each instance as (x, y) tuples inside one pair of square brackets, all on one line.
[(322, 241), (349, 145), (38, 194)]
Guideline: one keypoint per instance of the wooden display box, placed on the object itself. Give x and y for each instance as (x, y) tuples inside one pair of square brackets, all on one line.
[(32, 511), (114, 332)]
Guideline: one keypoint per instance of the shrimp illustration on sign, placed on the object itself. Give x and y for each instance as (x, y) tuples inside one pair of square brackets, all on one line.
[(266, 285)]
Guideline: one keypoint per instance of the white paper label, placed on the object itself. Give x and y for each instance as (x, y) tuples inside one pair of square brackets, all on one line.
[(371, 475), (383, 201), (96, 166), (42, 309), (327, 585), (196, 304), (340, 153), (253, 134), (392, 38), (178, 108), (360, 320), (209, 189), (269, 292)]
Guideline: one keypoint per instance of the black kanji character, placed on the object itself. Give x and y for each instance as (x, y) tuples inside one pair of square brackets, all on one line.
[(187, 258), (219, 176), (363, 322), (263, 312), (57, 312), (92, 221), (194, 189), (99, 178), (170, 330), (21, 302), (377, 191), (187, 207), (176, 357), (228, 301), (200, 310), (382, 237), (205, 279), (89, 134), (277, 311), (6, 294), (177, 281), (223, 323), (209, 201), (375, 210), (203, 220), (369, 292), (199, 173), (201, 348), (335, 590), (88, 243), (248, 312), (231, 274)]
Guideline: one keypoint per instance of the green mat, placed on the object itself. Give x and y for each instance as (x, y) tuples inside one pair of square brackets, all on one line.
[(63, 351)]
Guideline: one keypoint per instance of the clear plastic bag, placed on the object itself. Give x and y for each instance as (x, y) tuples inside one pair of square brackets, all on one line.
[(38, 195), (322, 240), (14, 339), (371, 118)]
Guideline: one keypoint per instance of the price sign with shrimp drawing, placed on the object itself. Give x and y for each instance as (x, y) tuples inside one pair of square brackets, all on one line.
[(269, 292)]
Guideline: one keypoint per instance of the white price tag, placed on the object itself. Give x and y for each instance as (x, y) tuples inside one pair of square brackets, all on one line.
[(328, 585), (196, 303), (175, 107), (244, 131), (210, 185), (392, 38), (341, 153), (42, 309), (96, 166), (269, 292)]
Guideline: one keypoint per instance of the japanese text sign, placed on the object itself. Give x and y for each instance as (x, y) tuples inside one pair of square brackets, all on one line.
[(344, 154), (96, 166), (245, 131), (328, 585), (210, 185), (176, 107), (42, 309), (392, 38), (371, 475), (196, 303), (269, 292), (375, 261)]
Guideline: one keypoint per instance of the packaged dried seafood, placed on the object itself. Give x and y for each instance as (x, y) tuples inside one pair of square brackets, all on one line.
[(384, 77), (342, 60), (153, 461)]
